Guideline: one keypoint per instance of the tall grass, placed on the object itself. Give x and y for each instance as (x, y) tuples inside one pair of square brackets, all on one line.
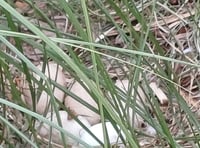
[(137, 56)]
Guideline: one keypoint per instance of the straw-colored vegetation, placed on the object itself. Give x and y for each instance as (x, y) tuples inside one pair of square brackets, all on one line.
[(73, 70)]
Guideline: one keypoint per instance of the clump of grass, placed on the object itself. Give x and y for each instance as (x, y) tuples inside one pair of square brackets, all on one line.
[(144, 42)]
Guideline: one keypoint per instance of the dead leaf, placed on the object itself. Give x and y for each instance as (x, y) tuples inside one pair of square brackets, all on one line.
[(22, 6), (159, 93)]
